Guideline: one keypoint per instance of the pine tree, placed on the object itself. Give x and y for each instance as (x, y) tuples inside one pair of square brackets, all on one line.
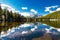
[(0, 10)]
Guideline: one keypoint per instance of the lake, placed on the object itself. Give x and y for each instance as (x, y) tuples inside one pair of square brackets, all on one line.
[(47, 30)]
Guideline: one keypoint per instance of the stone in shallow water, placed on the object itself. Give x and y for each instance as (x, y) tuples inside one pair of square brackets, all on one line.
[(45, 37)]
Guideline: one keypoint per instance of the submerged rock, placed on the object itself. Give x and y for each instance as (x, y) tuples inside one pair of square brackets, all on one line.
[(45, 37)]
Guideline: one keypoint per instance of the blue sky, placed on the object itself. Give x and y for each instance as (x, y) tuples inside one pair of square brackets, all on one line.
[(38, 5)]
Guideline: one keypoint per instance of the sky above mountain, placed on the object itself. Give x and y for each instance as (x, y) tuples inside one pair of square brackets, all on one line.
[(40, 7)]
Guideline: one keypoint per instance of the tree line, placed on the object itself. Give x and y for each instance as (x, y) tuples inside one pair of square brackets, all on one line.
[(6, 15)]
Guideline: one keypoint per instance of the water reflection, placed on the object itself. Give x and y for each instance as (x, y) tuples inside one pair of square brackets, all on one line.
[(4, 26), (7, 27), (55, 24), (28, 31)]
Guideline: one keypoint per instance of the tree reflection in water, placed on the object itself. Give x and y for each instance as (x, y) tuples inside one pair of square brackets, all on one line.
[(4, 26), (28, 31), (55, 24)]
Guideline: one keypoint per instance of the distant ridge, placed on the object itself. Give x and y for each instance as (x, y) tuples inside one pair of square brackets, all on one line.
[(54, 15)]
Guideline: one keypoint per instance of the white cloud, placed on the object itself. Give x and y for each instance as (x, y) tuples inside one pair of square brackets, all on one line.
[(34, 11), (25, 25), (32, 29), (24, 8), (9, 31), (47, 9), (24, 32), (35, 27), (8, 7), (51, 11), (26, 14), (58, 9), (55, 6), (2, 32), (4, 35), (58, 29), (47, 30)]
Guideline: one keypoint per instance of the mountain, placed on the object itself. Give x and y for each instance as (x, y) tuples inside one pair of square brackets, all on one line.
[(54, 15)]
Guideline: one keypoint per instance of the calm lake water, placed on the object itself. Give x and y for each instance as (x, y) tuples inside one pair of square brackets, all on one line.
[(30, 31)]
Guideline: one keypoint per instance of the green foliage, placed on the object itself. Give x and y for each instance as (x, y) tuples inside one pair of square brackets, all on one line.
[(54, 15), (9, 15)]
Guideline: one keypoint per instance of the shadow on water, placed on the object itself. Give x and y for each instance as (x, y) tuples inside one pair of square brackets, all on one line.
[(55, 24), (37, 32), (34, 33), (4, 26)]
